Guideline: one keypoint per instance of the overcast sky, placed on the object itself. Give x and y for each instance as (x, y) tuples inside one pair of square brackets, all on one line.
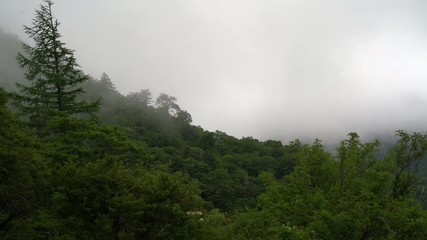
[(280, 69)]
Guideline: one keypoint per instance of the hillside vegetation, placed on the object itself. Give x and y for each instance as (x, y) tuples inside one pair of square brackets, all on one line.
[(79, 160)]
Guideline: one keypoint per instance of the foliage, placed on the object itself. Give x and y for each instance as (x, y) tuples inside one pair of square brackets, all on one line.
[(24, 175), (143, 171), (52, 71), (352, 197)]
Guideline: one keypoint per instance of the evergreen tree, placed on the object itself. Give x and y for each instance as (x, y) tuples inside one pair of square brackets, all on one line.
[(106, 81), (52, 71)]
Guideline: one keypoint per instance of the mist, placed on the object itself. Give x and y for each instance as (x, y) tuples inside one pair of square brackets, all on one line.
[(268, 69)]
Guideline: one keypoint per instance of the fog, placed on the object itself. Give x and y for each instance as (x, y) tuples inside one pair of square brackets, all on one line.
[(263, 68)]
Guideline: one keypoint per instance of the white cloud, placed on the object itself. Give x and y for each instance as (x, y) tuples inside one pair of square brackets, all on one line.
[(267, 68)]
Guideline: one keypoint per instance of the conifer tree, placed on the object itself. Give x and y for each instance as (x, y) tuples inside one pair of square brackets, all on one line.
[(106, 80), (52, 71)]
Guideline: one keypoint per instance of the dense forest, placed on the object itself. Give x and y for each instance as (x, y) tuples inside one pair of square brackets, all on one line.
[(79, 160)]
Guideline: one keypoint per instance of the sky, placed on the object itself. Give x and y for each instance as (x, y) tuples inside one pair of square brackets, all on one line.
[(264, 68)]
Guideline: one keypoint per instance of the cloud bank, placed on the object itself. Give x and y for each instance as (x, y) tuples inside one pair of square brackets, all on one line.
[(263, 68)]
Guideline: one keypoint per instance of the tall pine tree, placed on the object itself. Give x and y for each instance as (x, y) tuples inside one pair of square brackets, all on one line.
[(106, 81), (51, 68)]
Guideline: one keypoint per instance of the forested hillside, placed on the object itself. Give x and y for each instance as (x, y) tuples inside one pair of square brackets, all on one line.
[(79, 160)]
